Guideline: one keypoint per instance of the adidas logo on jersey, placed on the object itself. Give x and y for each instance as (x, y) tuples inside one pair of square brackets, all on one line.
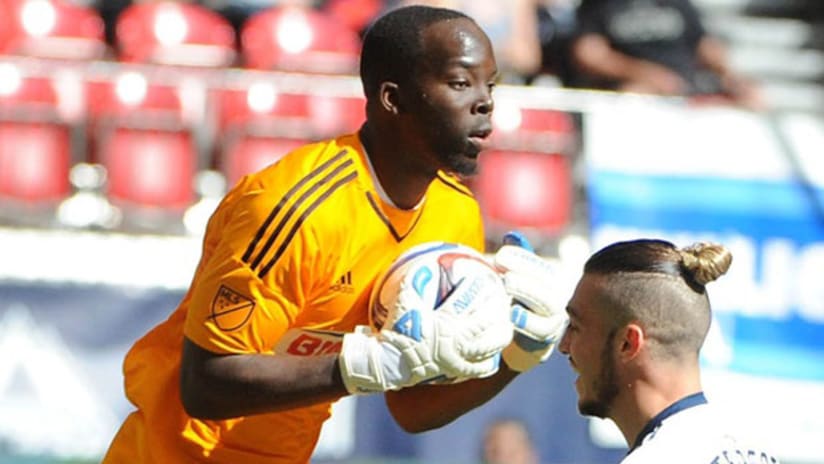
[(344, 284)]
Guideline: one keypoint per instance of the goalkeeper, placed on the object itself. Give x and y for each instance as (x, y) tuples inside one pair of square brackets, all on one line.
[(246, 368)]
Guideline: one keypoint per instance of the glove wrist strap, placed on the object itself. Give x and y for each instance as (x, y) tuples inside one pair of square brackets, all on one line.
[(367, 365)]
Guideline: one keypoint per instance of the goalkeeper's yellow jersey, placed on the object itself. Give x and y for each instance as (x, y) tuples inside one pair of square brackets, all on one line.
[(289, 258)]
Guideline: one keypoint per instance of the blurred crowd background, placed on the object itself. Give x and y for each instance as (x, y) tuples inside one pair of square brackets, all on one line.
[(123, 123)]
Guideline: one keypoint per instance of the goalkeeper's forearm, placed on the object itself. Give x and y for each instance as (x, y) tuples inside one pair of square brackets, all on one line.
[(215, 387), (426, 407)]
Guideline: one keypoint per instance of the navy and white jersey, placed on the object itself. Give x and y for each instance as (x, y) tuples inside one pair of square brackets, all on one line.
[(690, 432)]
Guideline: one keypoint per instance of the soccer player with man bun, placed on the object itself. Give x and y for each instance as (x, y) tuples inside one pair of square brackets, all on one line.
[(270, 332), (638, 319)]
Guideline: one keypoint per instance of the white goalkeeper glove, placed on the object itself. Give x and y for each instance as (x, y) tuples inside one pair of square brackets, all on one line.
[(539, 321), (461, 339)]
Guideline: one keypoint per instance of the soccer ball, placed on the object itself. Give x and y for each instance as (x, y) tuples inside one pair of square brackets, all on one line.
[(420, 279)]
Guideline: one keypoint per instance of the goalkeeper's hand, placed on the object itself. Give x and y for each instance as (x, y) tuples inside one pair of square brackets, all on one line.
[(461, 339), (539, 322)]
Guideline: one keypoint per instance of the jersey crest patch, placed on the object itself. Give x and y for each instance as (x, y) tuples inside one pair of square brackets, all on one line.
[(230, 309)]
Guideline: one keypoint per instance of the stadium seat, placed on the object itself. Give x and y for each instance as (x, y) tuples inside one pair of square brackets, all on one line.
[(35, 143), (174, 33), (530, 190), (51, 29), (298, 39), (149, 169), (257, 125), (356, 14), (34, 163), (139, 134), (131, 98), (260, 102), (263, 109), (523, 128), (332, 115)]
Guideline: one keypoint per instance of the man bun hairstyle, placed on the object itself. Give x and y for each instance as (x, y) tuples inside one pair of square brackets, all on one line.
[(698, 264), (705, 262), (392, 45)]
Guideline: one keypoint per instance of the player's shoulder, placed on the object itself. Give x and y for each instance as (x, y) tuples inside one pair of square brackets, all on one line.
[(306, 167), (697, 434), (302, 178), (449, 184), (310, 160), (448, 196)]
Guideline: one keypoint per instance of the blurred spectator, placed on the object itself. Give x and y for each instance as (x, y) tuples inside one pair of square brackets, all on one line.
[(512, 25), (653, 46), (556, 28), (507, 441)]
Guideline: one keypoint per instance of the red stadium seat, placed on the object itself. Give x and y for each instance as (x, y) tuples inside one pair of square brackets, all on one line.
[(34, 162), (153, 169), (524, 190), (257, 124), (51, 29), (176, 34), (334, 115), (7, 26), (139, 134), (131, 98), (262, 109), (261, 102), (356, 14), (522, 128), (35, 143), (291, 38)]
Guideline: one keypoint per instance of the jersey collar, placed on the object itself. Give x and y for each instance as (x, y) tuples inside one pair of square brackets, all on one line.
[(686, 402)]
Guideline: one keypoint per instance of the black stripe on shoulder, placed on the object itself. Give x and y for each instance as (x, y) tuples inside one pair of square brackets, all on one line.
[(455, 184), (320, 199), (297, 204), (285, 198)]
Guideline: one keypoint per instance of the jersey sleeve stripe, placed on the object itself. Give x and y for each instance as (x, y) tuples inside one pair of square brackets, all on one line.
[(297, 204), (286, 197), (454, 185), (334, 187)]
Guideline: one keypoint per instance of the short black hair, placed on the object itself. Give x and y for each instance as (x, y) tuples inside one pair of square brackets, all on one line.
[(392, 45)]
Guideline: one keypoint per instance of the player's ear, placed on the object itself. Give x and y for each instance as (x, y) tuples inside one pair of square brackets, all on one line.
[(390, 97), (632, 341)]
